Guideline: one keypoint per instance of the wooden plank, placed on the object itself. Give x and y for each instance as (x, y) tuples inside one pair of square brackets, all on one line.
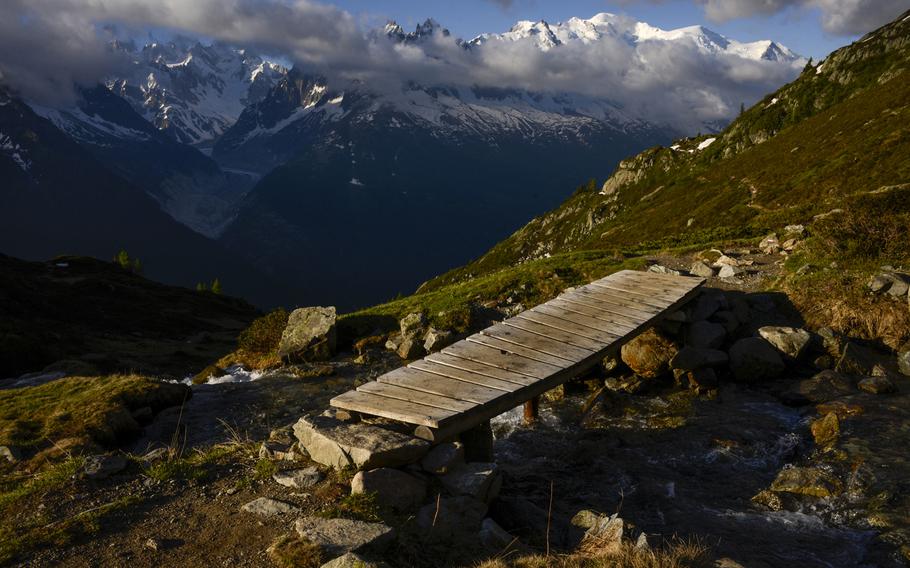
[(567, 326), (586, 321), (664, 283), (502, 359), (529, 340), (440, 385), (571, 307), (630, 288), (469, 377), (393, 409), (638, 297), (514, 349), (607, 303), (554, 334), (449, 360), (418, 397)]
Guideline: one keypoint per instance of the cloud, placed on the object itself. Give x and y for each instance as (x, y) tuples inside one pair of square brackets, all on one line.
[(44, 49), (840, 17)]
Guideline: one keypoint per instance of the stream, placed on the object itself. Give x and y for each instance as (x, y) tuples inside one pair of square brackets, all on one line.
[(674, 464)]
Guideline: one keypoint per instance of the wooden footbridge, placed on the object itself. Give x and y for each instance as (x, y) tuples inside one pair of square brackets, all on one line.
[(517, 360)]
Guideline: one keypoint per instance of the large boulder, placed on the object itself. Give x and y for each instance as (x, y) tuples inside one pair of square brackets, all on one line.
[(649, 354), (790, 341), (411, 347), (699, 268), (479, 480), (436, 339), (340, 536), (450, 516), (412, 324), (340, 444), (309, 335), (393, 488), (693, 358), (810, 481), (706, 335), (443, 457), (753, 360)]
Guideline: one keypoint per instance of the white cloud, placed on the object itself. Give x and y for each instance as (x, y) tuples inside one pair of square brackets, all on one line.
[(44, 49), (841, 17)]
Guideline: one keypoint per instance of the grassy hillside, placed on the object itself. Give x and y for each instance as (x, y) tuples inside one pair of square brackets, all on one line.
[(841, 129)]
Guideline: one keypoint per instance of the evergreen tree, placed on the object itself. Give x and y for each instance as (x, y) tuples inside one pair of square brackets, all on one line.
[(216, 287), (742, 109)]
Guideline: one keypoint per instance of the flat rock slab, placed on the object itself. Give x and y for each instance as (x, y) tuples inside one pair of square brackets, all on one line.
[(299, 478), (268, 507), (351, 560), (340, 536), (363, 446)]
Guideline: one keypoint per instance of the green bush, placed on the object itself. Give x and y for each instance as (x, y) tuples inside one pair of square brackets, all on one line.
[(264, 333)]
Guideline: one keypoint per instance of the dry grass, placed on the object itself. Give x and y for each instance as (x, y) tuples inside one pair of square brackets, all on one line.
[(675, 554), (295, 552), (841, 304)]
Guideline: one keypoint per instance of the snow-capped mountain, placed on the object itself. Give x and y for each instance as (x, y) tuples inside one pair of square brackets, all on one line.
[(606, 26), (192, 90)]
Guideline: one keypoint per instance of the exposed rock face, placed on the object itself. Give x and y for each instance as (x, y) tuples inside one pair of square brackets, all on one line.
[(806, 481), (393, 488), (753, 359), (790, 341), (268, 507), (339, 444), (649, 354), (442, 458), (479, 480), (299, 478), (340, 536), (692, 358), (310, 335)]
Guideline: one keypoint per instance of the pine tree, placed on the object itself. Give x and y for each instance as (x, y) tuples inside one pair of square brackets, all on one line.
[(216, 287), (742, 109)]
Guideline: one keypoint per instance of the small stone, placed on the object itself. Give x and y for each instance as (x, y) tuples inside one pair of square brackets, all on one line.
[(770, 244), (393, 488), (153, 544), (692, 358), (728, 271), (411, 347), (585, 519), (790, 341), (10, 454), (340, 536), (299, 478), (102, 467), (903, 359), (443, 458), (649, 354), (789, 245), (606, 534), (436, 339), (810, 481), (724, 260), (268, 507), (412, 324), (660, 269), (701, 269), (768, 499), (822, 387), (277, 451), (478, 480), (393, 342), (310, 335), (753, 359), (702, 380), (351, 560), (826, 430), (877, 385), (339, 444), (706, 335)]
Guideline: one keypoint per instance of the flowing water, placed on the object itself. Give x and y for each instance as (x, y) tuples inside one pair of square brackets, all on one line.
[(677, 465)]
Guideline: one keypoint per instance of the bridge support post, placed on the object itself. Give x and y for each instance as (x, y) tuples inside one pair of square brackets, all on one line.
[(532, 410)]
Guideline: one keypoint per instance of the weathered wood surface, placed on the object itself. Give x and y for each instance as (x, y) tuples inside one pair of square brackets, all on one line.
[(517, 360)]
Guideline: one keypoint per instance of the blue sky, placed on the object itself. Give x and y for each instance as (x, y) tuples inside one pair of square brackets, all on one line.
[(799, 28)]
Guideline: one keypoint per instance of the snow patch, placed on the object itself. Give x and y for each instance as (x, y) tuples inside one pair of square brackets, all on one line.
[(706, 143), (16, 152), (355, 181)]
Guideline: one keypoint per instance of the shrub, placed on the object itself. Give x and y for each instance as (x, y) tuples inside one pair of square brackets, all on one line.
[(873, 226), (264, 333)]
